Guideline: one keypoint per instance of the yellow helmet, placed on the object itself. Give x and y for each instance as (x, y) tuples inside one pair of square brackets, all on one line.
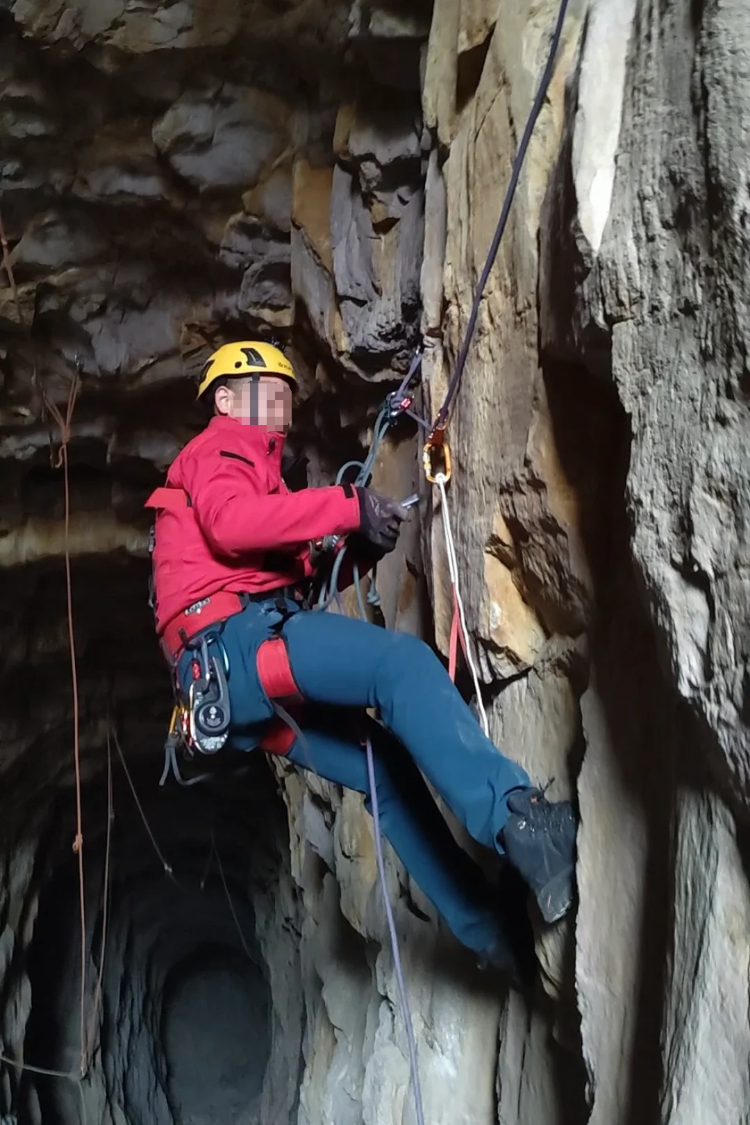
[(248, 357)]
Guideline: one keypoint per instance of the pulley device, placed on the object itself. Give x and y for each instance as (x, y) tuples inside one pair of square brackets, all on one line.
[(208, 695), (201, 719)]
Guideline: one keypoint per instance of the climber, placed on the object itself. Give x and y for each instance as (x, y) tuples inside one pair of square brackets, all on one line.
[(233, 560)]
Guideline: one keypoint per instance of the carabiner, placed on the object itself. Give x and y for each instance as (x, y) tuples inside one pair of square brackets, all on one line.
[(436, 457)]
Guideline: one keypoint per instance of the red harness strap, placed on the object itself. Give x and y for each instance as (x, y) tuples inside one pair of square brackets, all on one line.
[(278, 682), (278, 739), (275, 672)]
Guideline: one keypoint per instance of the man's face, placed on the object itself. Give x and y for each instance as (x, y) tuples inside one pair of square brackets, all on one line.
[(265, 402)]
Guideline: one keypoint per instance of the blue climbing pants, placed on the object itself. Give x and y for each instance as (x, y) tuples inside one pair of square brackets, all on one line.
[(342, 666)]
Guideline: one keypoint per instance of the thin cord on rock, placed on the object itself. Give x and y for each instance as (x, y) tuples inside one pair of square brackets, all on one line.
[(208, 863), (167, 867), (229, 900), (405, 1010), (49, 1074), (454, 575)]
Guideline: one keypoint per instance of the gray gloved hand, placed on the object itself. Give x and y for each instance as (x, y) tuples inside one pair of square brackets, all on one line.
[(380, 518)]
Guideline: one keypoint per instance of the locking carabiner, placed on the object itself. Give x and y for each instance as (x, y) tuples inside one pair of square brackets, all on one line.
[(436, 457)]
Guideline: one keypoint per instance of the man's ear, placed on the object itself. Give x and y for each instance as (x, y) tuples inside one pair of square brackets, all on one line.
[(222, 400)]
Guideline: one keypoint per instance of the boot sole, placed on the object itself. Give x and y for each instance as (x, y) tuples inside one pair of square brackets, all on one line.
[(556, 898)]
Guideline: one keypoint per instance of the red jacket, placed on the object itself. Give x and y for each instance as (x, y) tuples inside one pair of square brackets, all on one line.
[(243, 529)]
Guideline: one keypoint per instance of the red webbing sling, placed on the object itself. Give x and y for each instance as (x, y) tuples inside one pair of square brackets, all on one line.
[(278, 682)]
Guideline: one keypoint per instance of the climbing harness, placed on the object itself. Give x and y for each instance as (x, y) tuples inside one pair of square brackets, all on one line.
[(201, 720), (201, 713)]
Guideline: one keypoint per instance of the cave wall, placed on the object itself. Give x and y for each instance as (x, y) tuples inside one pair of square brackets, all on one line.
[(600, 441), (334, 172)]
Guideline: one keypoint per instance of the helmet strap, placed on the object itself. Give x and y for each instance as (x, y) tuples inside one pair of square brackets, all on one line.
[(254, 397)]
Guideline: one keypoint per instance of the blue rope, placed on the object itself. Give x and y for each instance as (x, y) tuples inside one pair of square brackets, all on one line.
[(515, 175), (386, 416), (405, 1010)]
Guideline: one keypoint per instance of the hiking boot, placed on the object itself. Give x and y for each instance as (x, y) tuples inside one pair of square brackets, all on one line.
[(539, 840)]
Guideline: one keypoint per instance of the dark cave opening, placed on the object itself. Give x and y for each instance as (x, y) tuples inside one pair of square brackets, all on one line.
[(186, 1031), (215, 1033)]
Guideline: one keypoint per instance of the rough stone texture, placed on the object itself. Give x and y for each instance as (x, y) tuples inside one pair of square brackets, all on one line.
[(689, 482), (706, 1032), (18, 909), (526, 486), (603, 488)]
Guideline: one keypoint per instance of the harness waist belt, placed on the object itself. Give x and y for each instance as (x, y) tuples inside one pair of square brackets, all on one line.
[(214, 608), (199, 616)]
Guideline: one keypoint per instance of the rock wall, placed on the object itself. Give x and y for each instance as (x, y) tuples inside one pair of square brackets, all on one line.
[(172, 177), (599, 438)]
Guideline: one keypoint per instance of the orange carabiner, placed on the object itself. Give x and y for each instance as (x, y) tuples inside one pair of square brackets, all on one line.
[(436, 457)]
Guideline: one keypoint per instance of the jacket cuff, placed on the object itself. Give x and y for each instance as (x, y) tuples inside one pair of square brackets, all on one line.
[(353, 507)]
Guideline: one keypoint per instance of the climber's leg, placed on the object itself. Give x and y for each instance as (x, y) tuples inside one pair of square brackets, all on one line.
[(346, 662), (342, 661), (419, 835)]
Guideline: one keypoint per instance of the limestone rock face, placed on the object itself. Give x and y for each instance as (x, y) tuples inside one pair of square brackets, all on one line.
[(605, 509), (222, 137), (331, 174)]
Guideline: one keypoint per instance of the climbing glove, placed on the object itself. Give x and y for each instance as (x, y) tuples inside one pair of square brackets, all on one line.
[(380, 518)]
